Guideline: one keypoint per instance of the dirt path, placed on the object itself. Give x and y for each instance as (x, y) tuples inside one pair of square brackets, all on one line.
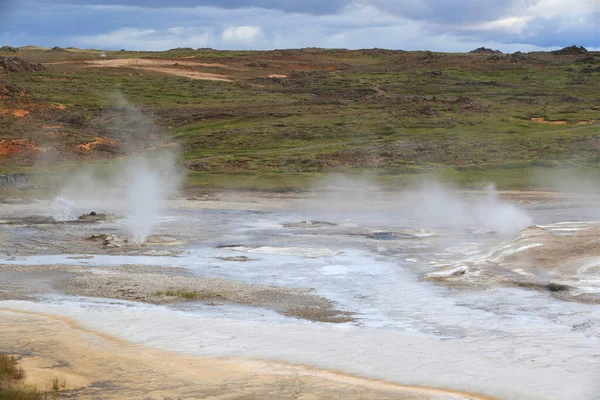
[(99, 366), (171, 67)]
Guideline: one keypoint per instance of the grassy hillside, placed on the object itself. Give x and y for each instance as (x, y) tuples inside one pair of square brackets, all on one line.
[(279, 119)]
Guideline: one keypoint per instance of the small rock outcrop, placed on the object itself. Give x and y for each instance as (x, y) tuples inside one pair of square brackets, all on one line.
[(8, 49), (571, 51), (519, 56), (485, 50), (13, 180), (588, 60), (15, 64)]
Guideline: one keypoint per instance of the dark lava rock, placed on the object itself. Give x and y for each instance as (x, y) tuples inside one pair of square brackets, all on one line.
[(15, 64), (518, 57), (557, 287), (588, 60), (569, 99), (484, 50), (428, 110), (589, 70), (571, 51)]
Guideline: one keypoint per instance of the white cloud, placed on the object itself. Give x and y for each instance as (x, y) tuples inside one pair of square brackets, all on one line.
[(150, 39), (506, 25), (513, 25), (177, 30), (243, 34)]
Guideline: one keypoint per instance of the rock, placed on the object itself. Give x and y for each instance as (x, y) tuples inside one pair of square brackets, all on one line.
[(235, 259), (159, 253), (111, 241), (9, 89), (8, 49), (428, 110), (94, 217), (308, 224), (571, 51), (383, 235), (447, 273), (589, 70), (484, 50), (164, 240), (588, 60), (13, 180), (14, 64), (518, 57), (558, 287)]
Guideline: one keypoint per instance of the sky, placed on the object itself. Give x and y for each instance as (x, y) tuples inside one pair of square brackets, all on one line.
[(436, 25)]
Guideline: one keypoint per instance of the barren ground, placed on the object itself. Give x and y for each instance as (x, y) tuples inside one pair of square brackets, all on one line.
[(98, 366)]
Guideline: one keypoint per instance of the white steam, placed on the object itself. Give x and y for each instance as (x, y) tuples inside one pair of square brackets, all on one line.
[(136, 185), (428, 204), (150, 185), (62, 207)]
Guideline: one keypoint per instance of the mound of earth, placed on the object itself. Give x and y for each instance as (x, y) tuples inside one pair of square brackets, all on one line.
[(485, 50), (15, 64), (571, 51), (562, 258)]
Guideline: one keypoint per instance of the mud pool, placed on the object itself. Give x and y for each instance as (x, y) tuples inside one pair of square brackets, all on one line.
[(479, 335)]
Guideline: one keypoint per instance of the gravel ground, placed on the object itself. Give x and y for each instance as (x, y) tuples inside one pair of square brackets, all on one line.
[(158, 285)]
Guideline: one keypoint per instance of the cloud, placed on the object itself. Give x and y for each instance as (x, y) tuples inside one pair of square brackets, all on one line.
[(237, 34), (439, 25), (313, 7), (448, 11), (148, 39)]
